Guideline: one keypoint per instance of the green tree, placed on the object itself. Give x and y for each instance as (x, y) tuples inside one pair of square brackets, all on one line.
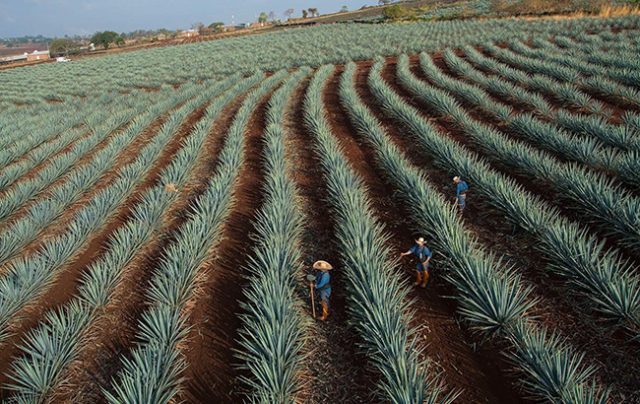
[(216, 26), (63, 47), (395, 12), (105, 38), (305, 13), (344, 9), (263, 17)]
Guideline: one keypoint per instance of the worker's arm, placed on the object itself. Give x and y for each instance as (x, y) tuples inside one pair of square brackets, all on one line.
[(324, 279), (426, 262), (406, 253)]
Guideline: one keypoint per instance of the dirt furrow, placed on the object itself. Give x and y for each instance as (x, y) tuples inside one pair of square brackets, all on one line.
[(209, 348), (64, 287), (616, 106), (127, 156), (40, 166), (450, 347), (559, 307), (536, 186), (112, 336), (84, 159), (338, 370)]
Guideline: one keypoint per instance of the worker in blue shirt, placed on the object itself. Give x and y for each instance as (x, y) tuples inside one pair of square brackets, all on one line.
[(423, 256), (323, 285), (461, 192)]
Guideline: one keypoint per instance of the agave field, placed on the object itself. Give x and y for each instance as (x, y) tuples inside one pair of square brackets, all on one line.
[(161, 209)]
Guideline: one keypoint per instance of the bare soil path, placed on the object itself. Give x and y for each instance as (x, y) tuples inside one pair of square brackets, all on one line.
[(451, 348), (209, 349), (339, 372), (65, 286), (559, 307)]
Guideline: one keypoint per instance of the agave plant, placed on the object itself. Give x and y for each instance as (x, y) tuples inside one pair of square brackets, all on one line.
[(377, 302), (156, 359), (493, 298), (272, 336), (55, 343), (592, 193), (573, 256), (33, 274)]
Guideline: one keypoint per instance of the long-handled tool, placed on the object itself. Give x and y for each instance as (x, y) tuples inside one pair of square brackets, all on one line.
[(311, 279)]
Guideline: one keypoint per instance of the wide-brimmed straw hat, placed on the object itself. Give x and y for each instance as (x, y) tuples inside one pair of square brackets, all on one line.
[(420, 240), (170, 187), (322, 265), (456, 178)]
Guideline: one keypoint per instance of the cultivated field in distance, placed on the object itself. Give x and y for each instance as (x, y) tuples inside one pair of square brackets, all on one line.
[(160, 211)]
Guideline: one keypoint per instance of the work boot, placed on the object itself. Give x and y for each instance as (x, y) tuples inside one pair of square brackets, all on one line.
[(418, 278), (425, 279), (325, 311)]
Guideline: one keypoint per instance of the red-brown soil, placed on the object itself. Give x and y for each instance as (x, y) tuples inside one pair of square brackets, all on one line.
[(557, 309), (85, 159), (334, 353), (112, 336), (66, 283), (209, 348), (451, 348)]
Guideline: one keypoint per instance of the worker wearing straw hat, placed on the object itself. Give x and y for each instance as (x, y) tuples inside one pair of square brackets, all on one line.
[(423, 256), (461, 192), (323, 285)]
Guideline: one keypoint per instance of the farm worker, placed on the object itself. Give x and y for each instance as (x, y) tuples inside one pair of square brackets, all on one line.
[(423, 256), (323, 285), (461, 192)]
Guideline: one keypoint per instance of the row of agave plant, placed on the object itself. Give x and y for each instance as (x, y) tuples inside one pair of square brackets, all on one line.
[(597, 84), (492, 297), (603, 276), (596, 48), (152, 374), (274, 51), (27, 277), (59, 165), (623, 70), (77, 182), (57, 341), (598, 197), (567, 94), (377, 299), (272, 336), (42, 152), (22, 128), (22, 154), (596, 127), (547, 136)]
